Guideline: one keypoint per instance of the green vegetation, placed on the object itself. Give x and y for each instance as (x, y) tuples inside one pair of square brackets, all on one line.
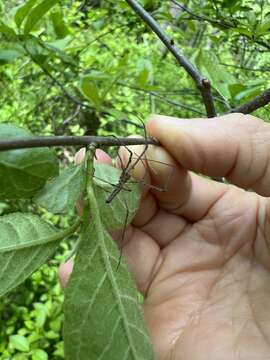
[(80, 68)]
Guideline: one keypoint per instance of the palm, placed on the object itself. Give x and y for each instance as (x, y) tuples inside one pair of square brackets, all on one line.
[(206, 281), (199, 252)]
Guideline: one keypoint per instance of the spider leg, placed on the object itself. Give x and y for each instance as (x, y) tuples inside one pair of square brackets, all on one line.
[(122, 241)]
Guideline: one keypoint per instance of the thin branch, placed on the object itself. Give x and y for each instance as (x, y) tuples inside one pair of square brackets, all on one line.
[(162, 98), (52, 141), (246, 68), (63, 89), (176, 104), (223, 23), (57, 82), (200, 17), (203, 84), (72, 116), (254, 104)]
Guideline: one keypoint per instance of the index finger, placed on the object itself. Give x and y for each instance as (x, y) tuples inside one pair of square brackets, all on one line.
[(234, 146)]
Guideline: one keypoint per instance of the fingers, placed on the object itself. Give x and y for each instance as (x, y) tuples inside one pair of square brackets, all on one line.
[(171, 187), (234, 146), (64, 273), (185, 193), (135, 158), (100, 156)]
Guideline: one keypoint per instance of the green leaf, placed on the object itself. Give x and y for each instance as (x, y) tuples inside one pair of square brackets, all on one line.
[(263, 28), (59, 26), (248, 94), (7, 56), (23, 231), (89, 89), (7, 30), (123, 207), (39, 354), (61, 193), (20, 357), (103, 318), (36, 14), (40, 314), (243, 30), (236, 88), (24, 172), (220, 78), (20, 343), (117, 114), (145, 72), (23, 11)]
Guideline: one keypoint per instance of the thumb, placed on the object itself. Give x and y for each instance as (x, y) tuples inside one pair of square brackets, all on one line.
[(234, 146)]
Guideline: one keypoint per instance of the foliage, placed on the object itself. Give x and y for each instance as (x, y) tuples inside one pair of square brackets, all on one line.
[(79, 68), (27, 241), (34, 311)]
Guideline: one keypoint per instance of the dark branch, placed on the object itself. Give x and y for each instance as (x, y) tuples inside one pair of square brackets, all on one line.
[(203, 84), (223, 24), (58, 83), (162, 98), (202, 18), (63, 89), (254, 104), (246, 68), (51, 141)]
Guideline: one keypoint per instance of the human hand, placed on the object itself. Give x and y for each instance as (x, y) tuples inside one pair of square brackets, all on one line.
[(200, 251)]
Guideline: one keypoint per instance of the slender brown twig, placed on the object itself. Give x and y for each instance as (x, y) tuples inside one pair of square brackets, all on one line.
[(202, 83), (52, 141), (254, 104)]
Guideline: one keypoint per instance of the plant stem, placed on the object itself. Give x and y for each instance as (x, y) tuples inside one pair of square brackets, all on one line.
[(51, 141), (202, 83), (254, 104)]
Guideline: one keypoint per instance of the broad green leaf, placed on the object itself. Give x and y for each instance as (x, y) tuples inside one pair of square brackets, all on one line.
[(20, 343), (23, 172), (61, 193), (39, 354), (263, 28), (60, 45), (220, 78), (145, 69), (20, 357), (23, 231), (90, 91), (121, 210), (97, 75), (236, 88), (248, 94), (59, 26), (230, 3), (117, 114), (103, 318), (40, 314), (36, 14), (7, 30), (243, 30), (23, 11), (7, 56)]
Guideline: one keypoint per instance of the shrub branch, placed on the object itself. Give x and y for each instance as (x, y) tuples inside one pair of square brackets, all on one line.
[(202, 83), (254, 104), (52, 141)]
